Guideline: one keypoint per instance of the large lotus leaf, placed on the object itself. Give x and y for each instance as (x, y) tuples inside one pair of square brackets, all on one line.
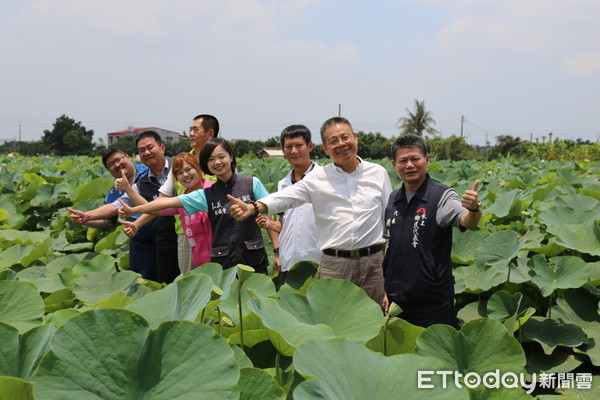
[(3, 214), (401, 338), (23, 238), (581, 309), (464, 245), (181, 300), (24, 255), (8, 275), (557, 273), (95, 188), (256, 384), (366, 374), (46, 196), (15, 389), (20, 305), (60, 317), (482, 345), (97, 286), (584, 237), (593, 393), (331, 308), (111, 241), (567, 215), (254, 331), (113, 354), (20, 355), (259, 284), (300, 275), (477, 279), (61, 299), (100, 263), (47, 282), (503, 204), (560, 360), (503, 305), (579, 202), (33, 184), (551, 333), (498, 249), (222, 278), (15, 218), (58, 264)]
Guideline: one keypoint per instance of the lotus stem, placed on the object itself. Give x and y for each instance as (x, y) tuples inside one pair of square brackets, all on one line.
[(240, 314), (219, 314), (385, 329), (550, 305), (202, 315), (278, 369)]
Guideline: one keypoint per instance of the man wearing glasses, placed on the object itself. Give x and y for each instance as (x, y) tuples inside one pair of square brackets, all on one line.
[(349, 197)]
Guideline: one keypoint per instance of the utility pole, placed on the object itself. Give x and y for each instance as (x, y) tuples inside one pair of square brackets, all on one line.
[(340, 110), (462, 122)]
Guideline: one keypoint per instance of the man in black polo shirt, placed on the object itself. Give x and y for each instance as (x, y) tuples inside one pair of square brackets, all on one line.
[(418, 223)]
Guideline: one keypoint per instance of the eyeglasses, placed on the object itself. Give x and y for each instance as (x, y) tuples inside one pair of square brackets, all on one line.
[(335, 141), (114, 162)]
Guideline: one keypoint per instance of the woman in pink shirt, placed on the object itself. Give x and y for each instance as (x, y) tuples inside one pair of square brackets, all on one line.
[(196, 227)]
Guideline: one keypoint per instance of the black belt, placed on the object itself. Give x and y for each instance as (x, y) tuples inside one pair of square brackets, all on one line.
[(354, 254)]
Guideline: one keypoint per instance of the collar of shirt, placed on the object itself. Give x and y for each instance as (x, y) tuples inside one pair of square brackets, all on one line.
[(165, 172), (310, 168), (359, 167)]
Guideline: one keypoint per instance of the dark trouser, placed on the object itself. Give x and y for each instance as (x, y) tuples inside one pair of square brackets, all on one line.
[(167, 266), (142, 258), (426, 314)]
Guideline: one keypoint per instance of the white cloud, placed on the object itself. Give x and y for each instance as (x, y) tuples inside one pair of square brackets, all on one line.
[(582, 64)]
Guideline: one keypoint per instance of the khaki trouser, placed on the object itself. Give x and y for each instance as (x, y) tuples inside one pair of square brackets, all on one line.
[(184, 254), (365, 272)]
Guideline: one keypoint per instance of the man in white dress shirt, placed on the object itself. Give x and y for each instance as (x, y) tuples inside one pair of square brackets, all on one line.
[(349, 197)]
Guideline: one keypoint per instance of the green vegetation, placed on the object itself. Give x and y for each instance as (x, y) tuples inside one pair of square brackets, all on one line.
[(76, 324)]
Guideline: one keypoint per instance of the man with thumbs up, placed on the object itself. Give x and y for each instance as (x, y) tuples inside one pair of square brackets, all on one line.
[(418, 225)]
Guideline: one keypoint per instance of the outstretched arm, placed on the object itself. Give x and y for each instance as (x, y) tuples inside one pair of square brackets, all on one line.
[(154, 206), (106, 211), (241, 211)]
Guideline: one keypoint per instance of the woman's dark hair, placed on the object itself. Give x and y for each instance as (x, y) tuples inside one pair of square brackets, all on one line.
[(208, 149)]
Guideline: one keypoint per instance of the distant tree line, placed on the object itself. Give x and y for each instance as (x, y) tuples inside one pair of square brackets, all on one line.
[(69, 137)]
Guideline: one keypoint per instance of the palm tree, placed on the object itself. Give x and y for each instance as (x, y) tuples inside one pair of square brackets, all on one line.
[(418, 121)]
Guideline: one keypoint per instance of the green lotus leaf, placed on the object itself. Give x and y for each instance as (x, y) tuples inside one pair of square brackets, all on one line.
[(568, 215), (244, 272), (20, 305), (63, 298), (15, 218), (257, 284), (502, 305), (504, 202), (58, 264), (46, 195), (47, 282), (497, 250), (24, 255), (116, 300), (12, 388), (97, 286), (551, 333), (593, 393), (366, 374), (222, 278), (95, 188), (561, 360), (113, 354), (20, 355), (557, 273), (8, 275), (579, 202), (299, 275), (584, 237), (3, 214), (464, 245), (240, 357), (181, 300), (60, 317), (111, 241), (23, 238), (477, 279), (256, 384), (401, 338), (254, 331), (33, 184), (581, 308), (100, 263), (322, 313), (482, 345)]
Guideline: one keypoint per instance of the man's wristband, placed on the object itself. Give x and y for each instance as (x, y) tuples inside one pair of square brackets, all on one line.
[(477, 209), (256, 212), (276, 250)]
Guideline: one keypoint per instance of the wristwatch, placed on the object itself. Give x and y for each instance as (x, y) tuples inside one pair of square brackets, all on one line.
[(477, 209), (276, 250)]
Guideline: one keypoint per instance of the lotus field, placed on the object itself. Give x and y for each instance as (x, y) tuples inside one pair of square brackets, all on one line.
[(75, 323)]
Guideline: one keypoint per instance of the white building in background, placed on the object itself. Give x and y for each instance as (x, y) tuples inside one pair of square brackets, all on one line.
[(166, 135)]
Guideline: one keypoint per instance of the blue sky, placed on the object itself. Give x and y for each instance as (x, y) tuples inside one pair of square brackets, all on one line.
[(519, 67)]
